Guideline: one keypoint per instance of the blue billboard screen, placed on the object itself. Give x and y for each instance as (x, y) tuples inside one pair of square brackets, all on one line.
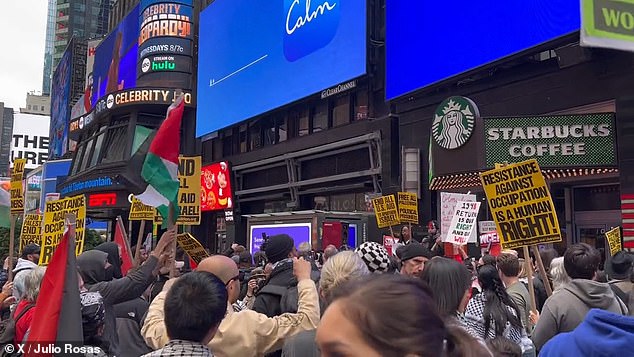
[(116, 58), (429, 41), (60, 106), (255, 56), (300, 232)]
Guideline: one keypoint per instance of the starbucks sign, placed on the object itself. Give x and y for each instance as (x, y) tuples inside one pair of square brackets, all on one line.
[(454, 121), (554, 140)]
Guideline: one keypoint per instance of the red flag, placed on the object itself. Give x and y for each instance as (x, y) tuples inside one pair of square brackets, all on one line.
[(122, 241), (192, 264), (58, 310)]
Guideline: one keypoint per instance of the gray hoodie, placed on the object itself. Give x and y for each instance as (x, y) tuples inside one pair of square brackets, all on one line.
[(566, 309), (24, 264)]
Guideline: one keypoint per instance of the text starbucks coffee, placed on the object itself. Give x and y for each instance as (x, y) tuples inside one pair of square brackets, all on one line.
[(559, 133)]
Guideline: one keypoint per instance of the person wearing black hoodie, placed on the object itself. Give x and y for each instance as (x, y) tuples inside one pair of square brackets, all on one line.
[(93, 267), (114, 258)]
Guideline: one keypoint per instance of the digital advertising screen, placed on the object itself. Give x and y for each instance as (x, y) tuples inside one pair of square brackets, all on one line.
[(428, 41), (300, 232), (216, 187), (60, 106), (115, 60), (255, 56)]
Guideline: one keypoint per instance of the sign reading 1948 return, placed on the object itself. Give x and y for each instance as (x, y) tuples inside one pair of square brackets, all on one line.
[(553, 140), (189, 172), (521, 205)]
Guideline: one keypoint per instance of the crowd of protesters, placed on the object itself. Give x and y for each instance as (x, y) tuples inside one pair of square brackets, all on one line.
[(293, 301)]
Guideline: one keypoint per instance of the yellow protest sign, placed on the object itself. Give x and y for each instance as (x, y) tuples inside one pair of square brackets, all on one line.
[(31, 230), (386, 211), (140, 211), (53, 230), (614, 240), (521, 205), (192, 247), (408, 207), (189, 172), (17, 190)]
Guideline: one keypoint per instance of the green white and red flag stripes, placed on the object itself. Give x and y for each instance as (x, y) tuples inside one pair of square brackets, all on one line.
[(160, 167)]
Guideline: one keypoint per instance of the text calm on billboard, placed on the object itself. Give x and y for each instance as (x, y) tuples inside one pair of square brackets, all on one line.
[(299, 48), (215, 186)]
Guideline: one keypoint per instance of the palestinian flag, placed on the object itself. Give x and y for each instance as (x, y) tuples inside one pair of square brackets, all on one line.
[(158, 183), (58, 310)]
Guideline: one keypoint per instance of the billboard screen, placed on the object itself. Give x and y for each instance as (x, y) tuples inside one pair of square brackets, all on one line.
[(30, 139), (60, 106), (297, 49), (115, 60), (300, 232), (429, 41), (216, 187)]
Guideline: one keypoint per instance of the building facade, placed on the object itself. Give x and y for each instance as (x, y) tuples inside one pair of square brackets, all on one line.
[(48, 47), (37, 104), (6, 133)]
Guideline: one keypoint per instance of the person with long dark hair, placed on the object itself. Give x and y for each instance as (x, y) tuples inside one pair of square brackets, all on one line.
[(451, 283), (493, 313), (364, 320)]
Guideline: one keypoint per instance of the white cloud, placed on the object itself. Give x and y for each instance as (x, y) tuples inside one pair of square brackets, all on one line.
[(23, 32)]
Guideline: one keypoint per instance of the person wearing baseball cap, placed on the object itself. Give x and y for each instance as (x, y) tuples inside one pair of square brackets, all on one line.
[(413, 258), (279, 249), (619, 269), (29, 258)]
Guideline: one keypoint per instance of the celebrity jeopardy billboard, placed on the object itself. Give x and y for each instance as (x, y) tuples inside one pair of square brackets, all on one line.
[(273, 53), (428, 41)]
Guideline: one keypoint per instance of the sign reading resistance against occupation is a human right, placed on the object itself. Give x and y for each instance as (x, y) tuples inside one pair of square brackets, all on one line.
[(521, 205), (54, 225), (386, 211)]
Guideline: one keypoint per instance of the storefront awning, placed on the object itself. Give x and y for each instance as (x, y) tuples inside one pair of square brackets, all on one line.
[(472, 179)]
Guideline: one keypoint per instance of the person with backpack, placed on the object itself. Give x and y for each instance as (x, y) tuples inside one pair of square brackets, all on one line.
[(619, 269), (273, 299)]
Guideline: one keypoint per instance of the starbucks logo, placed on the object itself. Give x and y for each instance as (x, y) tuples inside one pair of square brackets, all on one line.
[(454, 121)]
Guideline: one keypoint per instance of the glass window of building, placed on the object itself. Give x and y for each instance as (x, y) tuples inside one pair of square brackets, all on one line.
[(114, 147), (341, 111), (320, 117), (255, 135), (361, 105), (243, 138), (299, 118), (78, 158), (268, 129), (282, 128), (227, 144)]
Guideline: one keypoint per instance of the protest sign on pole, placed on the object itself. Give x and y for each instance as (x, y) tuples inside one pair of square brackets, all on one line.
[(31, 230), (386, 212), (448, 203), (53, 227), (463, 222), (189, 172), (388, 244), (17, 188), (140, 211), (489, 239), (192, 247), (521, 205), (408, 207), (614, 240)]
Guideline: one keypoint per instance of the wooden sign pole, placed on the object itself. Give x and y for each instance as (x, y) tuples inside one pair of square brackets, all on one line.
[(170, 225), (529, 272), (11, 245), (542, 270), (137, 250)]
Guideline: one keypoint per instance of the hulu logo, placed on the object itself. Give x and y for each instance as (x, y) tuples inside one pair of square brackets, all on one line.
[(163, 66)]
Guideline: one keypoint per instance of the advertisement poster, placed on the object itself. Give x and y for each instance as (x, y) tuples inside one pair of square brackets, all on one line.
[(521, 205), (386, 211), (17, 186), (300, 232), (54, 225), (30, 139), (614, 240), (188, 192), (31, 230), (216, 187), (607, 24), (192, 247), (448, 203), (408, 207), (60, 107), (463, 222), (140, 211)]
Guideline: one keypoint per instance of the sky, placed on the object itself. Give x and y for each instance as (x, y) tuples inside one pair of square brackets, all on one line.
[(22, 36)]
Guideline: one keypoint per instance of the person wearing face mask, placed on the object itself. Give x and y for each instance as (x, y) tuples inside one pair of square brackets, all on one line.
[(93, 266), (114, 258)]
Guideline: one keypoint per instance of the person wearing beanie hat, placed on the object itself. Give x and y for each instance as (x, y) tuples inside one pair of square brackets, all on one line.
[(280, 250), (619, 269), (413, 258), (375, 257)]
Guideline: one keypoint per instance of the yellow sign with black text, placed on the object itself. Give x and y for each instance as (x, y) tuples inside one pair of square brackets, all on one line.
[(53, 228), (189, 172), (521, 205), (192, 247), (614, 240), (140, 211), (31, 230), (386, 211), (17, 188), (408, 207)]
